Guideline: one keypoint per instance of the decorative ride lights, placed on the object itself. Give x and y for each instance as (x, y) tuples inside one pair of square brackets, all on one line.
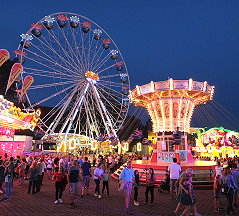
[(170, 105)]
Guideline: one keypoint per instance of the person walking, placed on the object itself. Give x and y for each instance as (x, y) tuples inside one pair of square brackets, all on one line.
[(8, 183), (32, 178), (21, 171), (2, 175), (150, 182), (217, 192), (183, 175), (49, 167), (39, 175), (97, 177), (74, 177), (174, 170), (86, 173), (57, 178), (136, 187), (106, 182), (235, 174), (228, 187), (127, 180)]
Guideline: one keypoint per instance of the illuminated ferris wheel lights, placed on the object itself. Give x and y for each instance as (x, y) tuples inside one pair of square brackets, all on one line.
[(67, 62), (49, 19)]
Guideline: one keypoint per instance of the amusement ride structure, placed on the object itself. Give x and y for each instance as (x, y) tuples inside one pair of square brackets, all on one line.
[(79, 74), (170, 105)]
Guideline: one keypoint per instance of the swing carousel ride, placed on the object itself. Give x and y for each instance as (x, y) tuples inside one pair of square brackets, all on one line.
[(170, 105)]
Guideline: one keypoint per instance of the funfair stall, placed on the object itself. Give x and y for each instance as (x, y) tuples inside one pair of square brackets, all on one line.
[(13, 118), (217, 142)]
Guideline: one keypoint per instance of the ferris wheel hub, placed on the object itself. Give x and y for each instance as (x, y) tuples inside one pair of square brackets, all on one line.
[(91, 76)]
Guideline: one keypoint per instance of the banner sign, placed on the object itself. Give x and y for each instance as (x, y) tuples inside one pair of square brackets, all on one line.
[(4, 56), (26, 84), (16, 70)]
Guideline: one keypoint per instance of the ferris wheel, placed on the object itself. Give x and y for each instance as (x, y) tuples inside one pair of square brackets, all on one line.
[(79, 75)]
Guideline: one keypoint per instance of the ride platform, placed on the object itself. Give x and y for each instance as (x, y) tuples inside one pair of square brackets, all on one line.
[(202, 171)]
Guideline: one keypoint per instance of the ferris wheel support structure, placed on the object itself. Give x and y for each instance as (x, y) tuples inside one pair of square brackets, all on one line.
[(74, 111), (101, 105)]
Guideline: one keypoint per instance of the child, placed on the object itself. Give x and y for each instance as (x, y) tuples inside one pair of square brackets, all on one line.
[(106, 181), (217, 192), (164, 184), (57, 177), (188, 196)]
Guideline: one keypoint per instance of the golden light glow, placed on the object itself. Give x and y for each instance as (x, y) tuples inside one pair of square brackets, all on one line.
[(139, 147), (13, 117), (72, 144), (171, 103), (93, 145), (92, 75)]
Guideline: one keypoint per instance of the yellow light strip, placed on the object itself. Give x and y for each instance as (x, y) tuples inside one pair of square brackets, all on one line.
[(152, 86), (186, 115), (204, 86), (137, 89), (179, 112), (190, 84), (156, 115), (171, 84), (163, 116), (171, 114)]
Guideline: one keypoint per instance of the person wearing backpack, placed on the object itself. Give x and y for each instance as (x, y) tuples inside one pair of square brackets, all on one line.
[(228, 187)]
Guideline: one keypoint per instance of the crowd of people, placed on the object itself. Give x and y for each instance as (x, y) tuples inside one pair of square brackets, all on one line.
[(71, 170)]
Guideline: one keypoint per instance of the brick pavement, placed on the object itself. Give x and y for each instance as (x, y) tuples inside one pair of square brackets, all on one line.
[(22, 204)]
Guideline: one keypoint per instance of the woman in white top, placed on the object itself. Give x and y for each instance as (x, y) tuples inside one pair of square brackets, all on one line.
[(98, 173), (49, 168), (218, 169)]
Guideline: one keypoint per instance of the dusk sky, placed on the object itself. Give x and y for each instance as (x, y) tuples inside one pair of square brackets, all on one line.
[(158, 38)]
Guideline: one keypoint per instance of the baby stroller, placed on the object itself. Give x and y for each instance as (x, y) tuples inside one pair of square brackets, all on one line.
[(164, 184)]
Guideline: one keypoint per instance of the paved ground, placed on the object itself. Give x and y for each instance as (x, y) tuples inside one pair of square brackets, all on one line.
[(22, 204)]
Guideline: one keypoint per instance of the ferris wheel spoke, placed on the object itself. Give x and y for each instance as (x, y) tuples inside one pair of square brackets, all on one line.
[(113, 107), (91, 43), (52, 34), (40, 72), (110, 89), (96, 51), (51, 96), (101, 63), (51, 84), (70, 47), (49, 47), (113, 98), (96, 62), (110, 83), (40, 63), (109, 76), (77, 49), (83, 50), (53, 62)]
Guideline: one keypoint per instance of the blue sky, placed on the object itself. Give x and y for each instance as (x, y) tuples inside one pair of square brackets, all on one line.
[(158, 38)]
